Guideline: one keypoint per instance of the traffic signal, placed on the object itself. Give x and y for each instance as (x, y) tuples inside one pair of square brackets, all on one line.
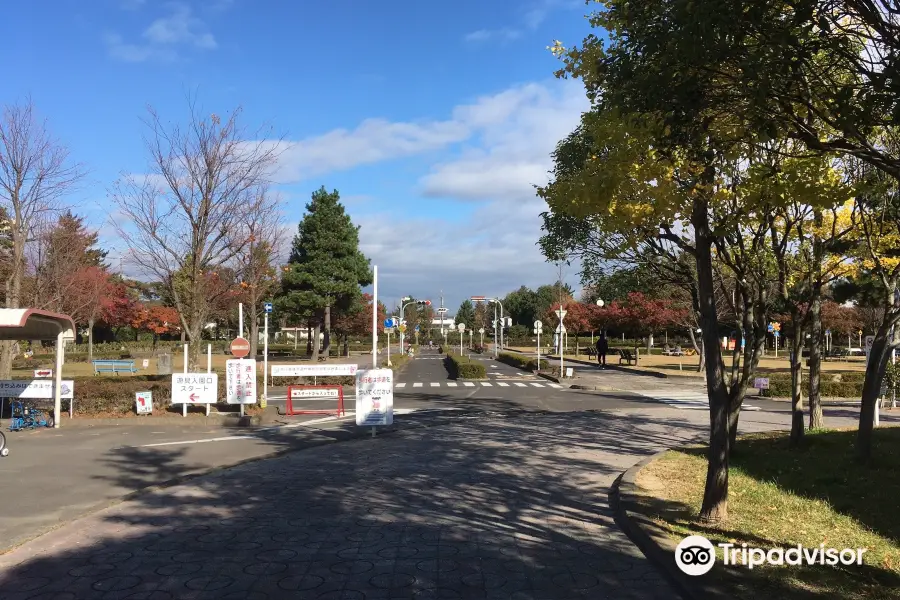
[(423, 302)]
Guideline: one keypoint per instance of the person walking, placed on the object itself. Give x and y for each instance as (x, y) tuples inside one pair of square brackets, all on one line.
[(602, 349)]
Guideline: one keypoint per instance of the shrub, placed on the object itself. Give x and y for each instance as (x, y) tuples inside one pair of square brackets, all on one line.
[(522, 362), (780, 387), (461, 367)]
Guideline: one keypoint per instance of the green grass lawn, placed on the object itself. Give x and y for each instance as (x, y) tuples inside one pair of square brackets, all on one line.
[(781, 497)]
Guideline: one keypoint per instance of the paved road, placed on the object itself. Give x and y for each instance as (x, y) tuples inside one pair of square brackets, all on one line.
[(490, 492)]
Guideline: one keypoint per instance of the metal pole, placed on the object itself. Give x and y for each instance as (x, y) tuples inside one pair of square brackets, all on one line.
[(461, 336), (57, 382), (240, 319), (495, 331), (375, 321), (265, 398), (184, 405), (539, 349), (562, 350), (208, 367)]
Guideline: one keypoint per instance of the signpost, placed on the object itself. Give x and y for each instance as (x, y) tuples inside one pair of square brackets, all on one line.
[(389, 324), (143, 403), (761, 383), (240, 347), (374, 398), (481, 337), (240, 381), (314, 370), (461, 328), (538, 328), (267, 307), (561, 313), (194, 388)]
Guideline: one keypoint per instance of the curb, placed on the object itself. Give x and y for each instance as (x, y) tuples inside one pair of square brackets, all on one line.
[(659, 548)]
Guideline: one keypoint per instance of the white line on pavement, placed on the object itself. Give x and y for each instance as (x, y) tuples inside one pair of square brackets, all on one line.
[(517, 384), (486, 384), (401, 384), (434, 384), (468, 384), (417, 384), (218, 439), (502, 384), (451, 383)]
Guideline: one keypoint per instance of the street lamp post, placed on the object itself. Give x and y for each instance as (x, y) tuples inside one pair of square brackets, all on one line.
[(497, 301)]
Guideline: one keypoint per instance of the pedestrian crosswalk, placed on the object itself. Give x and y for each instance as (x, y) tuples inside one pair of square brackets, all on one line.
[(685, 399), (471, 384)]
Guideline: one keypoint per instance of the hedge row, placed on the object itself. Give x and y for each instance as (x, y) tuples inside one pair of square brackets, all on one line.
[(522, 362), (781, 388), (461, 367)]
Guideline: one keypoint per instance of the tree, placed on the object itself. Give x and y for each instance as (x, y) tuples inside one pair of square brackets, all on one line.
[(187, 218), (35, 173), (466, 314), (358, 319), (256, 261), (121, 306), (326, 268), (521, 306), (158, 320)]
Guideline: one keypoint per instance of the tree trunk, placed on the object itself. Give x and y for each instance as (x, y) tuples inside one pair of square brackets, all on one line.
[(797, 427), (195, 337), (816, 419), (309, 339), (715, 494), (90, 340), (875, 367), (315, 341), (327, 349), (254, 334)]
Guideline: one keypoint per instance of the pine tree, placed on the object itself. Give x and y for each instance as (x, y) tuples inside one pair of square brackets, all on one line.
[(326, 269), (466, 314)]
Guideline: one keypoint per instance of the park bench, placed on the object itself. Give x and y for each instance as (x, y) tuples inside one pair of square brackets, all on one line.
[(114, 366), (591, 352), (627, 356)]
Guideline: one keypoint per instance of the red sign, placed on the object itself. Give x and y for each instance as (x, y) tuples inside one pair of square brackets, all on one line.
[(240, 347)]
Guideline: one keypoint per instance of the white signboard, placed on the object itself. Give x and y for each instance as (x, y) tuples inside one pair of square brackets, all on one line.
[(195, 388), (313, 370), (375, 397), (143, 403), (761, 383), (870, 340), (43, 373), (240, 381), (570, 371), (36, 389), (314, 393), (146, 363)]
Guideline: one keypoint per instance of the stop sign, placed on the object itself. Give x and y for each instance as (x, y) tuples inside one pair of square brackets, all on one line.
[(240, 347)]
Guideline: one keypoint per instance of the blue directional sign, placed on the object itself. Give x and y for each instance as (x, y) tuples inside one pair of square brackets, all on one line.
[(777, 333), (390, 322), (417, 328), (770, 328), (827, 332), (267, 307)]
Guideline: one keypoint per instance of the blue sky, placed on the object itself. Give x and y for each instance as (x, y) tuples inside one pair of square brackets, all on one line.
[(433, 120)]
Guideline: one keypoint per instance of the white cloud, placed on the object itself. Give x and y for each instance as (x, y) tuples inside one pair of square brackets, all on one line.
[(163, 38), (510, 122), (530, 21)]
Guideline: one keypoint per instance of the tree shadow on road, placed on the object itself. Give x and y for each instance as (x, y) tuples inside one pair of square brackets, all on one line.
[(457, 504)]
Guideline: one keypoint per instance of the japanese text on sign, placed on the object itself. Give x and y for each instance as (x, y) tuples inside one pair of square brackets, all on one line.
[(313, 370), (36, 389), (195, 388), (240, 381), (375, 397)]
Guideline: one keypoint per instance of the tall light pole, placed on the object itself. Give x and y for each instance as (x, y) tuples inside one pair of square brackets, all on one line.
[(497, 301), (402, 314)]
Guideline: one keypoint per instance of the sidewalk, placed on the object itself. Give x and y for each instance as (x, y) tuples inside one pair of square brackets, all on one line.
[(513, 507)]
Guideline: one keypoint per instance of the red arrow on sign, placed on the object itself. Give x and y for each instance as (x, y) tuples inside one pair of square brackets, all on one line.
[(193, 397)]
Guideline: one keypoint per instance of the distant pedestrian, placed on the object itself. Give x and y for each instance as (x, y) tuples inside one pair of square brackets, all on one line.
[(602, 349)]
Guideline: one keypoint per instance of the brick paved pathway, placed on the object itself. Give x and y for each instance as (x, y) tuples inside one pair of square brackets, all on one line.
[(512, 508)]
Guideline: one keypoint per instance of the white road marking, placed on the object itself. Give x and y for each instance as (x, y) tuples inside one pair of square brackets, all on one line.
[(451, 383), (502, 384), (555, 385), (434, 384), (540, 385), (517, 384), (468, 384), (486, 384), (218, 439), (400, 384), (417, 384)]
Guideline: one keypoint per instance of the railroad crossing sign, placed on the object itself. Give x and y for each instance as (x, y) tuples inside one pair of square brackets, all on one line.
[(268, 308)]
